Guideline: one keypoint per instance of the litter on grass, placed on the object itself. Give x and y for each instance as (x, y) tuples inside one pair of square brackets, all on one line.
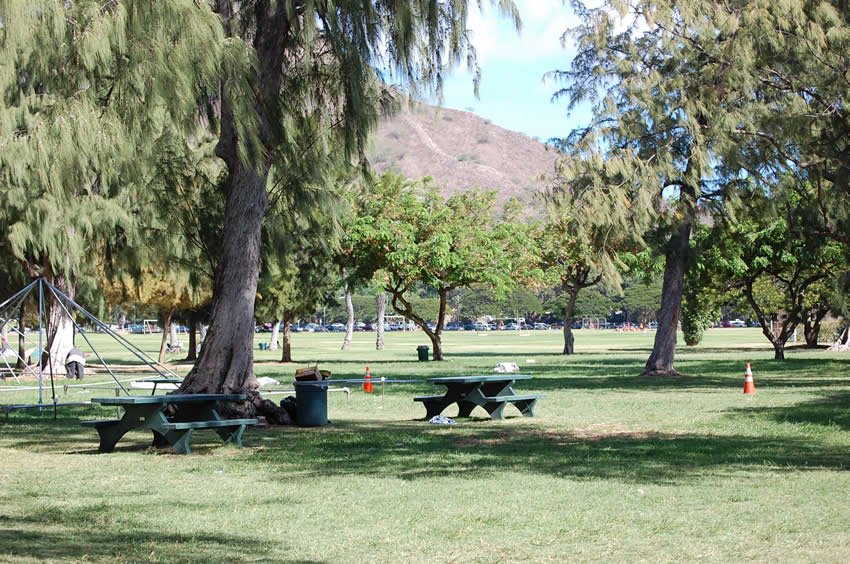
[(506, 368), (440, 420)]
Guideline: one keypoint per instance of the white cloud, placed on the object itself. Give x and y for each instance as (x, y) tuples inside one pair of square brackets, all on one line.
[(543, 23)]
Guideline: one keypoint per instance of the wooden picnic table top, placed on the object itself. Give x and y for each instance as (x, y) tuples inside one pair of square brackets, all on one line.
[(478, 379), (167, 399)]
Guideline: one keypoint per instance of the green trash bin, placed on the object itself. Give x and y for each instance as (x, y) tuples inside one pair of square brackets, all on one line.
[(422, 350), (311, 403)]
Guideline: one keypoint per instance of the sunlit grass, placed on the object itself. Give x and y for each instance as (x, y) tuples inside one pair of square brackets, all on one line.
[(615, 466)]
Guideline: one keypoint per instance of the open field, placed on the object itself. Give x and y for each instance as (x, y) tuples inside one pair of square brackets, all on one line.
[(615, 466)]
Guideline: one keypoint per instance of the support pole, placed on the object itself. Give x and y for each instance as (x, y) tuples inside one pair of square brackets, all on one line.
[(40, 342)]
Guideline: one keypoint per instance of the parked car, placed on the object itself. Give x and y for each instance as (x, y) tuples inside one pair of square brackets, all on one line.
[(540, 326)]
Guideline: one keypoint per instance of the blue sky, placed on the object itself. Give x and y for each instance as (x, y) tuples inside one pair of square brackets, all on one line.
[(513, 93)]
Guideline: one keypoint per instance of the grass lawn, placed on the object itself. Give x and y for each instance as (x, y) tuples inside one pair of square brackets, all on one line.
[(615, 466)]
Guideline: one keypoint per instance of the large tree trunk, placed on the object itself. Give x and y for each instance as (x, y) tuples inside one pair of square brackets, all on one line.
[(569, 339), (227, 357), (226, 361), (193, 338), (381, 306), (286, 356), (660, 362), (274, 342), (349, 324)]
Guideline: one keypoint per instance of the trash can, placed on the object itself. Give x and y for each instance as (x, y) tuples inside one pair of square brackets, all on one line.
[(422, 350), (311, 402)]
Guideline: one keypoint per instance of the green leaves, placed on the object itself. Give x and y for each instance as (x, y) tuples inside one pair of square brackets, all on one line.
[(413, 236)]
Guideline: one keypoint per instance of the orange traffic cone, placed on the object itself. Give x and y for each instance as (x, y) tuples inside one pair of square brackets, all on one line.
[(367, 385), (749, 385)]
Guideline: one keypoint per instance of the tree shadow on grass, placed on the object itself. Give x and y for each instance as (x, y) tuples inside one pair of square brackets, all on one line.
[(832, 409), (80, 534), (624, 373), (412, 450), (474, 448)]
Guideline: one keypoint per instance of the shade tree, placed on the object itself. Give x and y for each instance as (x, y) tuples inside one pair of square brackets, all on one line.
[(773, 257), (411, 236), (592, 217), (307, 95)]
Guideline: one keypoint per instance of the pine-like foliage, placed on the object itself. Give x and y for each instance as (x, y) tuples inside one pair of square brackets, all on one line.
[(88, 87)]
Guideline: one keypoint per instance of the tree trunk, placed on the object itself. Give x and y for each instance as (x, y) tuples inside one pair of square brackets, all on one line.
[(173, 341), (226, 361), (286, 356), (569, 339), (60, 339), (193, 338), (811, 331), (274, 342), (778, 350), (166, 332), (349, 324), (437, 343), (402, 307), (660, 362), (381, 306), (22, 343), (811, 325)]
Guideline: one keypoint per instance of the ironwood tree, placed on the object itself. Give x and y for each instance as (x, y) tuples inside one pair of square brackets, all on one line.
[(88, 88), (308, 93), (591, 219)]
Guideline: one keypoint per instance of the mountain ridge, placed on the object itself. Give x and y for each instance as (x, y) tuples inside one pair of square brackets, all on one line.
[(462, 151)]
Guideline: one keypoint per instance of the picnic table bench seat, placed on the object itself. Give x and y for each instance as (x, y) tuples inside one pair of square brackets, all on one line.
[(230, 430), (149, 413), (99, 422), (427, 398), (525, 404)]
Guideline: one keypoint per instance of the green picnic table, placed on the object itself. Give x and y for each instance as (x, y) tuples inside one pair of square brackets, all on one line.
[(492, 393), (197, 411)]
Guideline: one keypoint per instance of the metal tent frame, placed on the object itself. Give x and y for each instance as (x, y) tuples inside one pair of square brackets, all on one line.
[(69, 307)]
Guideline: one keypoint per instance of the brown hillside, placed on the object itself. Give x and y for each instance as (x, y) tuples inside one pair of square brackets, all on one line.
[(460, 150)]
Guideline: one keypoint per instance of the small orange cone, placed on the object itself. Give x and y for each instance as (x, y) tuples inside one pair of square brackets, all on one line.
[(367, 385), (749, 385)]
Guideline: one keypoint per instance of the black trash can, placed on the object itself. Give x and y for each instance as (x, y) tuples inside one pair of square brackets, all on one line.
[(422, 350), (311, 401)]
